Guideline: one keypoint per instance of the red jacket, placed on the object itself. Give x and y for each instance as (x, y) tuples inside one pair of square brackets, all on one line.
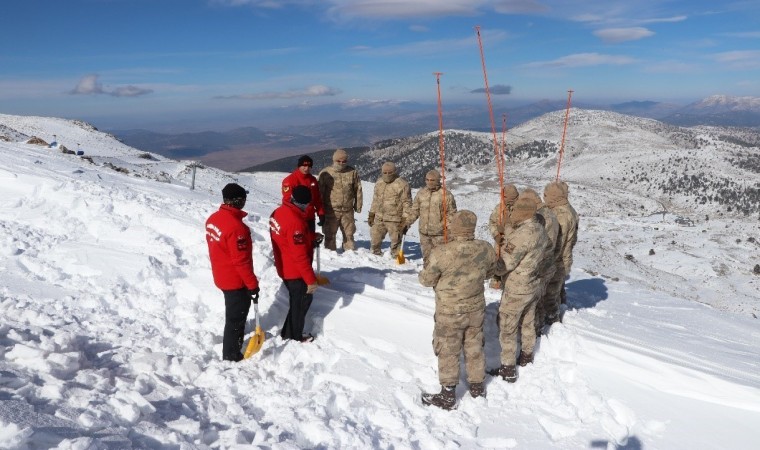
[(296, 178), (292, 243), (230, 249)]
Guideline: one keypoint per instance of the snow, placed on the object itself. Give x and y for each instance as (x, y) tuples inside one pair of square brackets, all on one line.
[(111, 326)]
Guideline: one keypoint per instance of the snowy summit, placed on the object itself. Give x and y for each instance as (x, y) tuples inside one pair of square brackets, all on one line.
[(111, 324)]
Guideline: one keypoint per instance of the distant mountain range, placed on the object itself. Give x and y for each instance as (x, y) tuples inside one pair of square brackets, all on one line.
[(249, 146)]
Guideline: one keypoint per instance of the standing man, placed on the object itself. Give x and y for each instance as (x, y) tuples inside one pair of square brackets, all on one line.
[(231, 252), (391, 205), (293, 244), (521, 255), (555, 197), (302, 177), (428, 206), (341, 191), (456, 271), (498, 223), (546, 218)]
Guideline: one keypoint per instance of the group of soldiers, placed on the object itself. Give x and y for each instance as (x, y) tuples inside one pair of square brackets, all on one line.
[(529, 260)]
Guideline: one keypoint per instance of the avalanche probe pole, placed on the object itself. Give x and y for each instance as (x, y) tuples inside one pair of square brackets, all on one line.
[(564, 131), (442, 153)]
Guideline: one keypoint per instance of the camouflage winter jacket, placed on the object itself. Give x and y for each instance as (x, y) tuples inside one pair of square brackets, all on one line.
[(522, 253), (341, 190), (568, 235), (391, 202), (428, 207), (547, 218), (456, 271)]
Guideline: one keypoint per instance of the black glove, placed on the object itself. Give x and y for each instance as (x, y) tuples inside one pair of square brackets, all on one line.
[(318, 238), (404, 229), (254, 294), (321, 219)]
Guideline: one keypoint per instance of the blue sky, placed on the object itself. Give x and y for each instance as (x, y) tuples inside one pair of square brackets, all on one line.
[(201, 63)]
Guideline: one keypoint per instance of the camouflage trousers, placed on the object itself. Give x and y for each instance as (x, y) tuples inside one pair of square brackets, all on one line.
[(343, 221), (377, 234), (454, 333), (428, 242), (545, 303), (516, 320), (553, 295)]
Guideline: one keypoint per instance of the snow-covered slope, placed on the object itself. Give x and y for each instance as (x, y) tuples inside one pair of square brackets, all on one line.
[(111, 329)]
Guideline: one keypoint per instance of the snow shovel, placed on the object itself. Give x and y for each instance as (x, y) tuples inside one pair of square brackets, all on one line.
[(320, 279), (400, 257), (257, 340)]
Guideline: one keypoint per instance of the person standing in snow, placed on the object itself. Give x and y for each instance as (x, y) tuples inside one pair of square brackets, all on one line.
[(302, 176), (498, 223), (293, 244), (555, 197), (521, 255), (456, 271), (341, 194), (391, 205), (230, 249), (428, 207), (546, 218)]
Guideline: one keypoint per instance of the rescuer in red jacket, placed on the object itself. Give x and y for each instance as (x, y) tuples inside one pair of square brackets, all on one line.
[(293, 244), (302, 177), (230, 249)]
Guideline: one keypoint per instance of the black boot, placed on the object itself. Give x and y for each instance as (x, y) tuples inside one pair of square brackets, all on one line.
[(446, 399), (507, 373), (477, 390), (525, 359)]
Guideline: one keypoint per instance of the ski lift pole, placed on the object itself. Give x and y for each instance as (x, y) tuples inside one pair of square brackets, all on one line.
[(564, 132), (442, 153)]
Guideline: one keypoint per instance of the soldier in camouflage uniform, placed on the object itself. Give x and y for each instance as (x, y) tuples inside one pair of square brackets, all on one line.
[(341, 191), (522, 255), (499, 220), (547, 218), (428, 207), (391, 205), (456, 270), (555, 197)]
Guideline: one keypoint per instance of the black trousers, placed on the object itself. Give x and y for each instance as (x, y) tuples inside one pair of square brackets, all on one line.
[(237, 303), (300, 302)]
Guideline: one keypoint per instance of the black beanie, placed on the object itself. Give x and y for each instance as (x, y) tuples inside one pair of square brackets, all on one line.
[(232, 191), (305, 159), (301, 195)]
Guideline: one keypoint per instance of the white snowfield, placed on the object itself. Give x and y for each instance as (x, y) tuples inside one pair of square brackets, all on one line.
[(111, 325)]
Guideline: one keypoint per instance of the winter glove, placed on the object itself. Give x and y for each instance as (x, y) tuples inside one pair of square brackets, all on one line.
[(254, 295), (318, 238), (404, 228), (321, 219), (371, 219), (311, 288)]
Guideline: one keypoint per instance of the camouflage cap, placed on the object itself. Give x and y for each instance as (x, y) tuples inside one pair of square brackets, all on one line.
[(463, 223), (340, 155), (554, 195), (532, 195), (389, 166), (433, 174), (509, 191), (523, 209)]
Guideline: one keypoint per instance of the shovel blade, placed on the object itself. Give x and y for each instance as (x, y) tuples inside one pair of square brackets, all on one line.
[(322, 280), (254, 345), (400, 257)]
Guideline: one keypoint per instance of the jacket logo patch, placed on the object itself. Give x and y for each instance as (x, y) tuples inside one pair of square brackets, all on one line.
[(285, 188), (242, 243), (510, 248), (299, 238), (213, 233), (274, 226)]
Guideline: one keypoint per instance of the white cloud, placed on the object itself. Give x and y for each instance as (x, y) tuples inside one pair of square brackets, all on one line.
[(582, 60), (739, 59), (617, 35), (90, 85), (316, 90)]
